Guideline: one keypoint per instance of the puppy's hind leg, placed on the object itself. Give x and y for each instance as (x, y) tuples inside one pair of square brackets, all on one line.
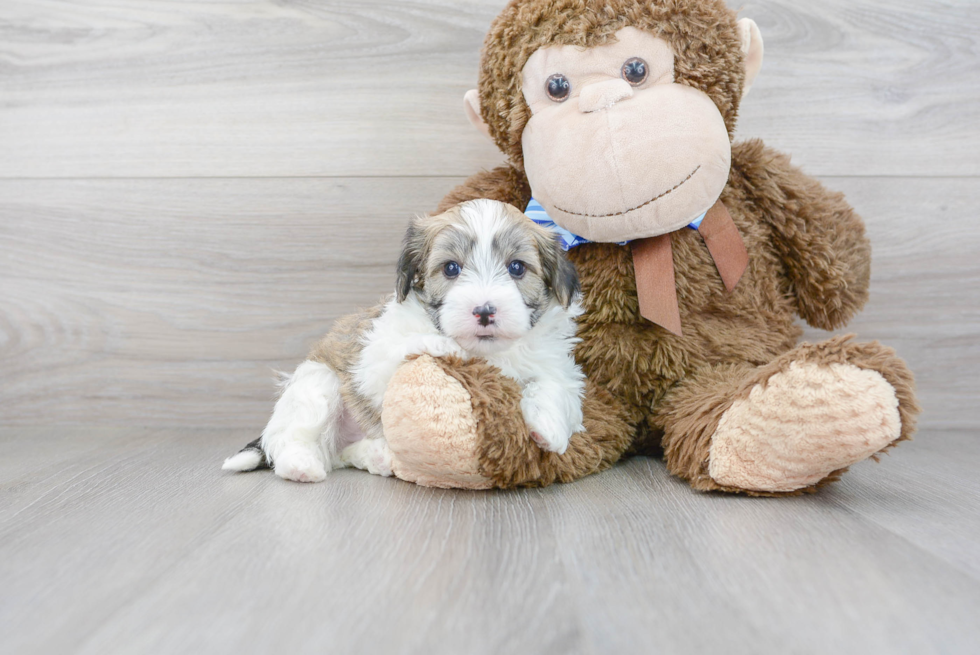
[(300, 439), (371, 455)]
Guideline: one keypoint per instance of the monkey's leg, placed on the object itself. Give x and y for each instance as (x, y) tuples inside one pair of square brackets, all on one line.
[(451, 423), (790, 426)]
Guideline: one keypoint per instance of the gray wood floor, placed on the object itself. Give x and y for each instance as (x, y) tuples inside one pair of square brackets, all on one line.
[(191, 192), (129, 540)]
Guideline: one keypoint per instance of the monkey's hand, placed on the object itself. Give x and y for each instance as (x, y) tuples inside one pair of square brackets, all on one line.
[(817, 235)]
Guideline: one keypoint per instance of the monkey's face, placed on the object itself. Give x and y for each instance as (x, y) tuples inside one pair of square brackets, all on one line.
[(615, 149)]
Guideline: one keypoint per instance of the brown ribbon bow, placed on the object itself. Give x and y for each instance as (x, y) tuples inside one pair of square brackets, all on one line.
[(653, 263)]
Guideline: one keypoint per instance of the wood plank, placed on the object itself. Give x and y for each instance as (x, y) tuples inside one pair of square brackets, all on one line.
[(925, 496), (712, 573), (868, 87), (132, 88), (167, 302), (158, 89), (145, 546), (116, 292), (360, 560)]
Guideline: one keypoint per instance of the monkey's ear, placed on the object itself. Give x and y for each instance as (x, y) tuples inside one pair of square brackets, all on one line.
[(559, 273), (471, 102), (410, 260), (752, 51)]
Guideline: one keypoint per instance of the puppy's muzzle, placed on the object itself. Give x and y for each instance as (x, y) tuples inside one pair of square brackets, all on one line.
[(485, 314)]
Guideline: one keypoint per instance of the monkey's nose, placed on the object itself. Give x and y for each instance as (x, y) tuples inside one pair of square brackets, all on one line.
[(602, 95), (485, 314)]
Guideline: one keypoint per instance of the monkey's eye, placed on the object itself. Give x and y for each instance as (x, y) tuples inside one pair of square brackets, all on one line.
[(516, 269), (451, 270), (558, 87), (635, 71)]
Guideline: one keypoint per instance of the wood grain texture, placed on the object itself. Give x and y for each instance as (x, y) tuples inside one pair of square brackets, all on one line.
[(863, 87), (135, 542), (129, 88), (118, 293), (167, 302)]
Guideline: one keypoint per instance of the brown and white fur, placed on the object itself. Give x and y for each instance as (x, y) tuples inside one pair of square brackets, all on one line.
[(480, 280)]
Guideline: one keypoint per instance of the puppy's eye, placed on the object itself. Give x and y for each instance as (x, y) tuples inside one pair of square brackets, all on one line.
[(558, 87), (635, 71), (451, 270), (516, 269)]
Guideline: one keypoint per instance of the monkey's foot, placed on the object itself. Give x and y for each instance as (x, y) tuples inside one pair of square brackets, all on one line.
[(455, 423), (431, 428), (803, 424)]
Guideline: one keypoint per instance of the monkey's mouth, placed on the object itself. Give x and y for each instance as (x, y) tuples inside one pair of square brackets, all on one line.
[(633, 209)]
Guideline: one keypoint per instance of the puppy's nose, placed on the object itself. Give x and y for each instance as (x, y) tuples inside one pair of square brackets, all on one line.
[(485, 314), (602, 95)]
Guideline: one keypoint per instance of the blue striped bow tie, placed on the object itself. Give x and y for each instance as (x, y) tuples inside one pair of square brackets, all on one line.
[(568, 240), (653, 261)]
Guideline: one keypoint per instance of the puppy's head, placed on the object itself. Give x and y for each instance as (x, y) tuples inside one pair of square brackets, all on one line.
[(485, 273)]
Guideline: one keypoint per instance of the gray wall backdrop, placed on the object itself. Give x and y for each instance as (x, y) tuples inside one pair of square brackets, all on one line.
[(191, 192)]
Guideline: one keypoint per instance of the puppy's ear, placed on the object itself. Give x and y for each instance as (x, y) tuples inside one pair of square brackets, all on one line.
[(559, 273), (411, 260)]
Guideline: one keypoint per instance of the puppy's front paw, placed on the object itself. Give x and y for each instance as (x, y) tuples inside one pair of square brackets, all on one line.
[(301, 463), (549, 429), (435, 345)]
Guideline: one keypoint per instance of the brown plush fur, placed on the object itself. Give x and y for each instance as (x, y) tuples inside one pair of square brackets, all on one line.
[(692, 410), (808, 256), (509, 456), (726, 335)]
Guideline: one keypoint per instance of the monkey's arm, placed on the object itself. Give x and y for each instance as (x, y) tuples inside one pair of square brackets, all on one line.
[(816, 233), (505, 184)]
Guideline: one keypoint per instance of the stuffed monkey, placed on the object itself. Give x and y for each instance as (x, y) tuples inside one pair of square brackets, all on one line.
[(694, 254)]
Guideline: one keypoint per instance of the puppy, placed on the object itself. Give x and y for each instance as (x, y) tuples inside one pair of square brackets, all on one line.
[(481, 280)]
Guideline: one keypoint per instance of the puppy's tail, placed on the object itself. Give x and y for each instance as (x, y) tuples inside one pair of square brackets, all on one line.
[(249, 458)]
